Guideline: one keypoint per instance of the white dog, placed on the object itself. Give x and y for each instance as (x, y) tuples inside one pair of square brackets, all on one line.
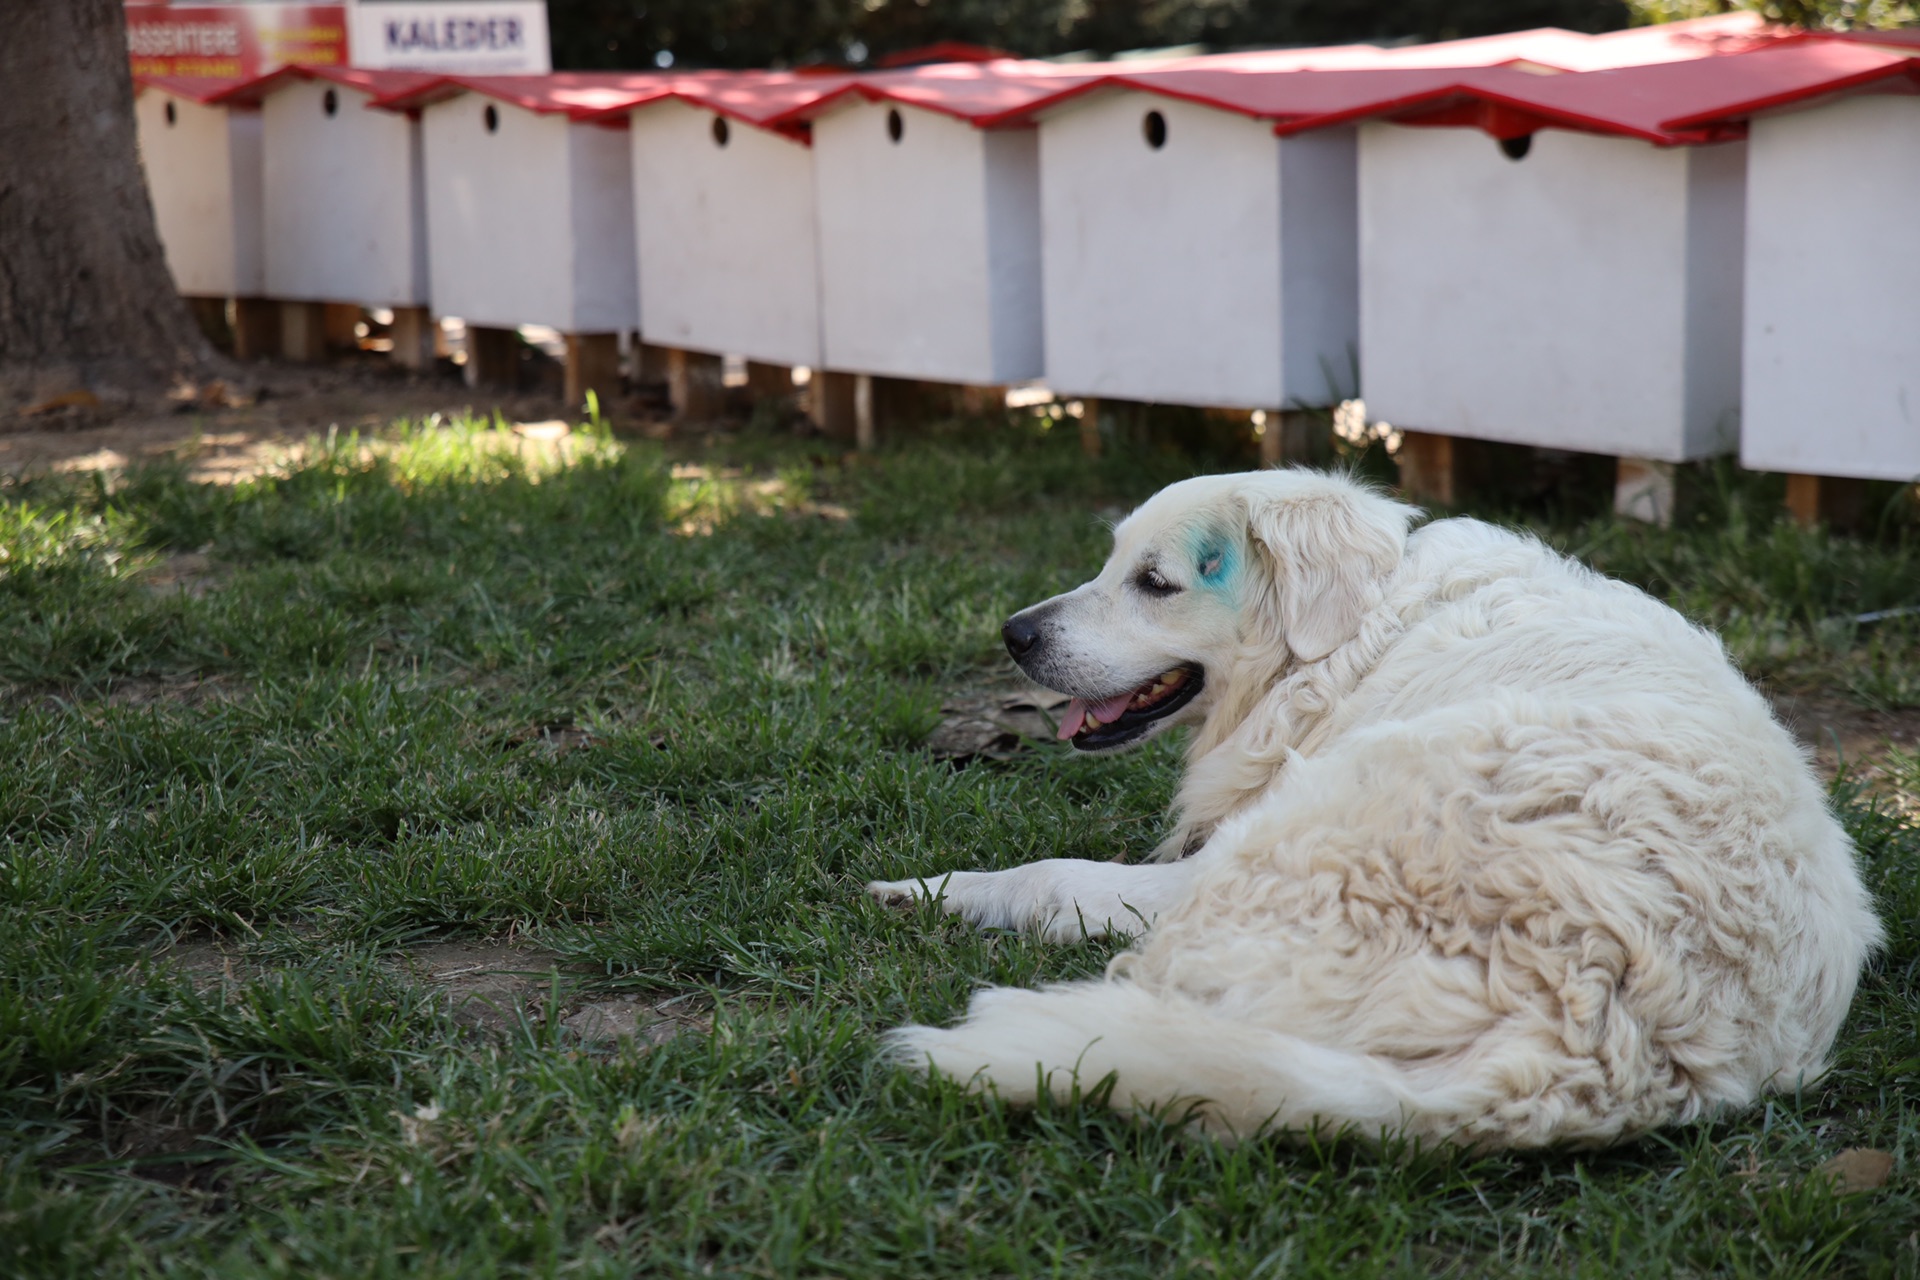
[(1482, 847)]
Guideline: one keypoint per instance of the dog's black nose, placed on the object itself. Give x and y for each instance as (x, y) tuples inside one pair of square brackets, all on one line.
[(1020, 636)]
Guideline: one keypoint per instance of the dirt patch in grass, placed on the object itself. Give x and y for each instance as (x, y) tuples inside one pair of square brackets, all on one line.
[(188, 573), (1839, 730), (487, 986)]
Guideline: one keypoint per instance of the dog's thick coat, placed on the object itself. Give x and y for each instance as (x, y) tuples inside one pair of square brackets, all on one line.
[(1487, 848)]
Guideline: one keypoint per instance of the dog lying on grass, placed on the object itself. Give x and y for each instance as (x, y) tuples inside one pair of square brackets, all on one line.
[(1473, 844)]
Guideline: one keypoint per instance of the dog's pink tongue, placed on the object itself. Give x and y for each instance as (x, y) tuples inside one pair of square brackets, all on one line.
[(1107, 712)]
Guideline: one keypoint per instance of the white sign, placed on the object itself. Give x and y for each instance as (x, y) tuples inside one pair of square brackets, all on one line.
[(473, 37)]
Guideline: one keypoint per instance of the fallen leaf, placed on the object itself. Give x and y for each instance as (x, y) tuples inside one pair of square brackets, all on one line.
[(71, 400), (995, 726), (1858, 1169)]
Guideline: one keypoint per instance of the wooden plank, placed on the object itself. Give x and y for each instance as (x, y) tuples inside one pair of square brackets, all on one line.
[(651, 364), (865, 430), (303, 331), (1833, 501), (256, 328), (696, 385), (493, 357), (1294, 438), (210, 314), (769, 381), (593, 364), (342, 326), (1090, 439), (413, 337), (1427, 467), (1644, 490), (830, 404)]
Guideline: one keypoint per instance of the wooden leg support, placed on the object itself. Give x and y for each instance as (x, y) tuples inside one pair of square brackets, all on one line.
[(865, 433), (413, 336), (695, 385), (650, 364), (303, 331), (1813, 501), (1090, 427), (981, 401), (830, 404), (593, 364), (342, 326), (769, 381), (210, 314), (1292, 437), (1427, 467), (493, 357), (1644, 490), (256, 328)]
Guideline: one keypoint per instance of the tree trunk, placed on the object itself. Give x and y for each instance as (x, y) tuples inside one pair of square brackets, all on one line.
[(86, 301)]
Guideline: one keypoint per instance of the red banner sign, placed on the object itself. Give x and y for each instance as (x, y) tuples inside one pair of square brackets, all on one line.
[(237, 40)]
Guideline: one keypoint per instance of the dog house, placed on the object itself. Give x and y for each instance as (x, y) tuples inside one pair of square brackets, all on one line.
[(529, 211), (724, 213), (203, 164), (1831, 379), (1193, 257), (529, 205), (928, 199), (1579, 286), (342, 215)]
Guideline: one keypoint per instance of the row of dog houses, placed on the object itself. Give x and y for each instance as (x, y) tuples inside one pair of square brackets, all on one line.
[(1659, 249)]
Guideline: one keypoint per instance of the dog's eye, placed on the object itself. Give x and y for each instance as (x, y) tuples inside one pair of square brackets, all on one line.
[(1153, 582)]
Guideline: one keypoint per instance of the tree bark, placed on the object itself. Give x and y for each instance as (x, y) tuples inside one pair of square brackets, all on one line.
[(86, 301)]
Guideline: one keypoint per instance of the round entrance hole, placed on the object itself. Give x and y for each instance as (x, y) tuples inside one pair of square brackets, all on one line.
[(721, 131), (1154, 129), (491, 118), (1516, 148), (895, 125), (330, 102), (172, 115)]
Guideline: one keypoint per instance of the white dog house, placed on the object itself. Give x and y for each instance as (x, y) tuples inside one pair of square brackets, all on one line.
[(1832, 370), (1579, 286), (529, 207), (1192, 257), (344, 220), (725, 219), (203, 163), (929, 222)]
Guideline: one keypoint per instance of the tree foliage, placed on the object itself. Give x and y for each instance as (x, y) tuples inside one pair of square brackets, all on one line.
[(1825, 15), (743, 33)]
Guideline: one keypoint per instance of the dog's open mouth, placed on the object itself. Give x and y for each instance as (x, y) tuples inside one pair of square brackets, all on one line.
[(1113, 722)]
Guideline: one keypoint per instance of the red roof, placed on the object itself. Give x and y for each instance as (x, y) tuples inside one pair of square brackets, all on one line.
[(770, 99), (984, 94), (191, 88), (579, 95), (1705, 100), (378, 85), (1701, 99)]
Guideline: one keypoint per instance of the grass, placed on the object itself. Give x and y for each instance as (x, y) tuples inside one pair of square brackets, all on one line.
[(660, 717)]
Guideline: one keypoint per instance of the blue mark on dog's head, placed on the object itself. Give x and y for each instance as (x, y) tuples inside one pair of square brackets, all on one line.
[(1216, 559)]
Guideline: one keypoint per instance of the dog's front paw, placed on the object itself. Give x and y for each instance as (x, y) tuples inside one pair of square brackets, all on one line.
[(904, 895)]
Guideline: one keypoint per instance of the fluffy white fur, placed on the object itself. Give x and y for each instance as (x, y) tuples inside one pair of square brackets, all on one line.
[(1488, 849)]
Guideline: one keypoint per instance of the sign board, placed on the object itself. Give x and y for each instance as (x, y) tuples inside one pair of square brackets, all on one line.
[(470, 37), (240, 41), (233, 41)]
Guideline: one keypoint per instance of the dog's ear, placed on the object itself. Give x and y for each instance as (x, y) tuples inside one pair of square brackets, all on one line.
[(1330, 544)]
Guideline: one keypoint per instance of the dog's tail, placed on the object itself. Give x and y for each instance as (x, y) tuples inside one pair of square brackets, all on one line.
[(1171, 1055)]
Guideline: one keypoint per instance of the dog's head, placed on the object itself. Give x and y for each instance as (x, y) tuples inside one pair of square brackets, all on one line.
[(1209, 577)]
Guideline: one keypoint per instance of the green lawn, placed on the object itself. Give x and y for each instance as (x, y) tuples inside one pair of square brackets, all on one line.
[(650, 726)]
